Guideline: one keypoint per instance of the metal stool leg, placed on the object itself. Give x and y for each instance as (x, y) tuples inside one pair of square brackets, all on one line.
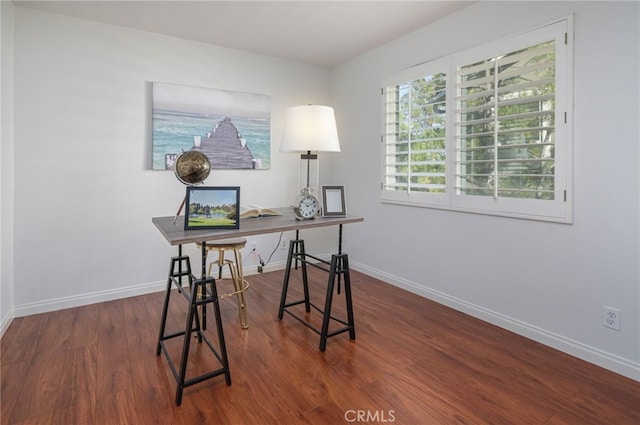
[(237, 278), (239, 286)]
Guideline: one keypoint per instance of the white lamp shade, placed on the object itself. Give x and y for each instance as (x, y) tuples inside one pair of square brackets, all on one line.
[(310, 128)]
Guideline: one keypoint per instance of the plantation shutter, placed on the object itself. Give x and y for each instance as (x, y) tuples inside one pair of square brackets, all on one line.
[(485, 130), (414, 157), (506, 125)]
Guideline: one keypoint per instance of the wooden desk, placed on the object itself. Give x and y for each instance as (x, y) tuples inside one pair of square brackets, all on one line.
[(203, 291), (175, 234)]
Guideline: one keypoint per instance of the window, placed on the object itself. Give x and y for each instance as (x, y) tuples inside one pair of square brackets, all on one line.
[(415, 135), (485, 130)]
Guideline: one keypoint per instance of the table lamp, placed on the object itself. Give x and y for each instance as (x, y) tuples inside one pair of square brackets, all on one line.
[(309, 129)]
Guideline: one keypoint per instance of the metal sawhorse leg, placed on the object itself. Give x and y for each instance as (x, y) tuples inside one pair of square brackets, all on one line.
[(180, 269), (338, 266)]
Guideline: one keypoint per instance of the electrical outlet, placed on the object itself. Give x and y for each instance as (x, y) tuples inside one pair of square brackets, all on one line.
[(611, 317), (260, 269), (284, 243), (254, 246)]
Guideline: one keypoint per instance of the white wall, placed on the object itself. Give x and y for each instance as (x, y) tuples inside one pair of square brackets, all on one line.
[(6, 164), (84, 196), (543, 280)]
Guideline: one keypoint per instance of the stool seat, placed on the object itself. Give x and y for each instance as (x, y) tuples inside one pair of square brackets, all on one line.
[(235, 269), (236, 243)]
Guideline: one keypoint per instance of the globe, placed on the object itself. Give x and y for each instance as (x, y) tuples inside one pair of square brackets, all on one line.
[(192, 167)]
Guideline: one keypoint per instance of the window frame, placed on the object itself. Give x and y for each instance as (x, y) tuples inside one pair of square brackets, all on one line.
[(560, 209)]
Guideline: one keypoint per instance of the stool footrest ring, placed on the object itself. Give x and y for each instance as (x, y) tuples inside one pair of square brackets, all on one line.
[(231, 294)]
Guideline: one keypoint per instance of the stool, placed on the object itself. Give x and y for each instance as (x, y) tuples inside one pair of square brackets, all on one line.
[(235, 269)]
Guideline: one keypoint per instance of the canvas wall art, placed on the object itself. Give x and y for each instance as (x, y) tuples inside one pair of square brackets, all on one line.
[(232, 128)]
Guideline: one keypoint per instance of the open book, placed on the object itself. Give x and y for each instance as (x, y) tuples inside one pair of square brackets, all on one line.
[(256, 211)]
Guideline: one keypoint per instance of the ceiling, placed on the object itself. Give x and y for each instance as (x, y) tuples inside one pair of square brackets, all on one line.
[(325, 33)]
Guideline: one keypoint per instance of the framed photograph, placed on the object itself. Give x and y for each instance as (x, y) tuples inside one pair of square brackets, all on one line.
[(209, 207), (333, 201)]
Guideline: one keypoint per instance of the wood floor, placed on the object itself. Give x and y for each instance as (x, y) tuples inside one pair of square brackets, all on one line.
[(413, 362)]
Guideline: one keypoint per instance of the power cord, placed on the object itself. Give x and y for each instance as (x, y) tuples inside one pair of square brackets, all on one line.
[(274, 250), (262, 263)]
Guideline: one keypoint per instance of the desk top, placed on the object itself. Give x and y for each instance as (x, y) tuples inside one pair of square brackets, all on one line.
[(175, 234)]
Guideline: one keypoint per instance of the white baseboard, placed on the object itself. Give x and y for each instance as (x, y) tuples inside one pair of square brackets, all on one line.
[(577, 349), (85, 299), (102, 296)]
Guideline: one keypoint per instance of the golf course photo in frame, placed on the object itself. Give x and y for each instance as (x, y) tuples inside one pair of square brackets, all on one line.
[(211, 207)]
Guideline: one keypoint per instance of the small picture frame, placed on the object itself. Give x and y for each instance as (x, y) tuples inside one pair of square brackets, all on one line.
[(212, 207), (333, 201)]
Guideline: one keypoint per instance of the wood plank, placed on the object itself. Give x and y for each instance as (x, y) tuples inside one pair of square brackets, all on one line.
[(113, 372), (118, 408), (40, 389), (12, 378), (78, 383), (23, 337)]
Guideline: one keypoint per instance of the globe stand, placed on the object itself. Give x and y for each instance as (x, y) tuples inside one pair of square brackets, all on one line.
[(180, 209)]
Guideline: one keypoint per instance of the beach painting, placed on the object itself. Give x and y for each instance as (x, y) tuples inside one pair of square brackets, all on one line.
[(232, 128)]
